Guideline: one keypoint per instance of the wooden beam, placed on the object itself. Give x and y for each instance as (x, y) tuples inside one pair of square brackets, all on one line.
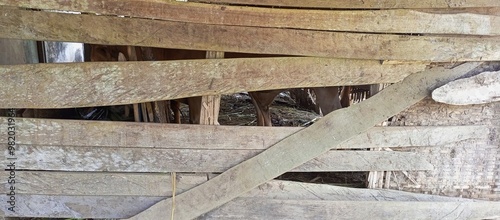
[(172, 136), (366, 4), (111, 159), (47, 206), (378, 21), (25, 24), (479, 89), (118, 83), (292, 152)]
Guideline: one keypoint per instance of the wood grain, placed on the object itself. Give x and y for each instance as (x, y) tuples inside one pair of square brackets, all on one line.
[(291, 152), (378, 21), (172, 136), (112, 159), (24, 24), (115, 83), (365, 4)]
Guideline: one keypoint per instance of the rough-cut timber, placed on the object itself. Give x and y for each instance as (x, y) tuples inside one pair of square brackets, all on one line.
[(365, 4), (479, 89), (49, 206), (291, 152), (112, 159), (114, 83), (172, 136), (379, 21), (111, 30)]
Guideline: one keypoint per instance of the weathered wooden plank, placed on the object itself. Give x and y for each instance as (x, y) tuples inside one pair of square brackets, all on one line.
[(155, 33), (479, 89), (291, 152), (303, 209), (96, 84), (379, 21), (366, 4), (172, 136), (17, 52), (111, 159), (160, 185), (256, 208)]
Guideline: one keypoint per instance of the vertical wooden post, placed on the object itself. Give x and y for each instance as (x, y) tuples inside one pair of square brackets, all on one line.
[(208, 106)]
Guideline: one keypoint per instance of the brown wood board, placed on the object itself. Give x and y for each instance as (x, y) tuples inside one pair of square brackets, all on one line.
[(115, 83), (23, 24), (378, 21)]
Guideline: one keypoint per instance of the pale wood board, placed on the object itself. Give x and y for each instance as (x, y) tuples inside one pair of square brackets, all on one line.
[(291, 152), (378, 21), (30, 131), (112, 159), (248, 207), (24, 24), (365, 4), (479, 89), (114, 83)]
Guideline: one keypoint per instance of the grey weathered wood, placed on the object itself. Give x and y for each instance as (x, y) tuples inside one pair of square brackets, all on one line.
[(112, 159), (291, 152), (304, 209), (249, 207), (366, 4), (17, 52), (379, 21), (169, 136), (154, 33), (96, 84), (479, 89)]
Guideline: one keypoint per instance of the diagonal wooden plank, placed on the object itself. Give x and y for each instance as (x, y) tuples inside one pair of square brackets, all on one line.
[(292, 152), (97, 84), (173, 136), (112, 159), (49, 206), (365, 4), (379, 21), (24, 24)]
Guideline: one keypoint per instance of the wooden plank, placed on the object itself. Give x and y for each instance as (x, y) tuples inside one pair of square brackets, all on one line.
[(110, 159), (151, 33), (17, 52), (366, 4), (291, 152), (172, 136), (160, 185), (118, 83), (379, 21), (479, 89), (256, 208), (304, 209)]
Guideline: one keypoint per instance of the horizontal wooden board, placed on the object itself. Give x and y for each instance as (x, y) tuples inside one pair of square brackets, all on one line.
[(172, 136), (365, 4), (258, 208), (112, 159), (25, 24), (114, 83), (479, 89), (378, 21)]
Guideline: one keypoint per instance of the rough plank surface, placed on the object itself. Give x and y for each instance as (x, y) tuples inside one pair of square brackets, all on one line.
[(304, 209), (379, 21), (172, 136), (111, 159), (24, 24), (114, 83), (365, 4), (479, 89), (250, 207), (291, 152)]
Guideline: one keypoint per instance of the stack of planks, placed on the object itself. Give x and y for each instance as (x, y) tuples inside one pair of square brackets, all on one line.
[(122, 165)]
